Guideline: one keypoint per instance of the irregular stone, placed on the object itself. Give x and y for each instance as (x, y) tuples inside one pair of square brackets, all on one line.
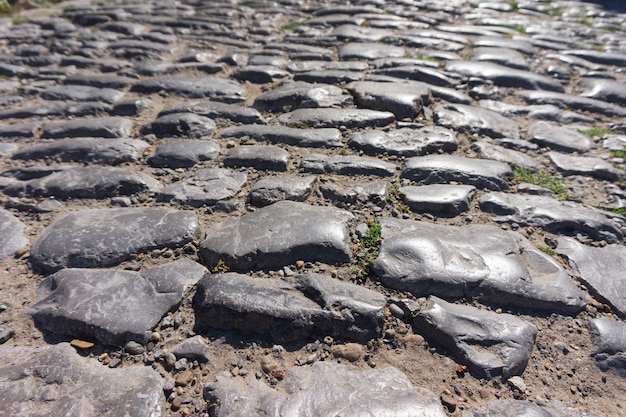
[(183, 153), (279, 235), (481, 173), (81, 93), (300, 94), (100, 151), (419, 73), (609, 338), (8, 149), (57, 110), (270, 190), (20, 130), (489, 344), (313, 138), (475, 120), (103, 127), (217, 89), (194, 349), (44, 381), (405, 141), (131, 107), (552, 215), (604, 90), (351, 352), (297, 308), (86, 182), (260, 74), (443, 199), (489, 150), (329, 76), (560, 409), (350, 118), (585, 165), (499, 267), (599, 269), (345, 391), (365, 50), (6, 333), (517, 44), (346, 165), (355, 193), (599, 57), (404, 99), (103, 237), (260, 157), (12, 236), (511, 408), (559, 138), (566, 101), (501, 56), (206, 186), (538, 112), (216, 110), (179, 124)]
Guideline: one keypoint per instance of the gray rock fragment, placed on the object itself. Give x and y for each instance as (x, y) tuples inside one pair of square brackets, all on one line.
[(217, 89), (270, 190), (442, 199), (103, 127), (355, 193), (204, 187), (489, 150), (260, 157), (102, 151), (194, 349), (609, 338), (12, 235), (604, 90), (469, 119), (310, 138), (350, 118), (216, 110), (346, 165), (180, 124), (585, 165), (300, 94), (82, 93), (565, 101), (405, 141), (559, 138), (404, 99), (183, 153)]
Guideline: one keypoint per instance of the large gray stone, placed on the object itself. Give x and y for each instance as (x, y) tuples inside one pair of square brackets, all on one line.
[(365, 50), (204, 187), (355, 192), (346, 165), (499, 267), (552, 215), (350, 118), (300, 94), (609, 338), (604, 90), (313, 138), (216, 110), (112, 306), (260, 157), (82, 93), (102, 151), (270, 190), (45, 381), (489, 344), (475, 120), (103, 237), (12, 235), (585, 165), (559, 138), (183, 153), (502, 56), (565, 101), (295, 309), (103, 127), (405, 141), (481, 173), (490, 150), (280, 235), (404, 99), (442, 199), (92, 108), (345, 391), (179, 124), (217, 89)]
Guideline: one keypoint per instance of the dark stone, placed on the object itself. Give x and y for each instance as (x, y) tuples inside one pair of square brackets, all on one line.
[(101, 151), (475, 120), (217, 89), (215, 110), (346, 165), (489, 150), (558, 138), (103, 127), (194, 349), (585, 165), (183, 153), (100, 81), (180, 124), (609, 338), (82, 93), (204, 187), (329, 76), (300, 94), (365, 51), (20, 130), (430, 76), (405, 141), (404, 99), (131, 107), (604, 90), (270, 190), (314, 138), (260, 157), (355, 193), (502, 56), (350, 118), (57, 110), (260, 74), (442, 199), (566, 101)]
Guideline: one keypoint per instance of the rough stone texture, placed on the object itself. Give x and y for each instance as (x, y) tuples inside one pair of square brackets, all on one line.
[(442, 199), (364, 51), (404, 99), (405, 141), (215, 110), (195, 348), (204, 187), (448, 261), (490, 150), (260, 157), (558, 138), (273, 189), (489, 344), (346, 165), (183, 153), (45, 381), (102, 151), (511, 408), (112, 306), (326, 389), (102, 237), (300, 94), (604, 90), (12, 235), (295, 309), (356, 193), (180, 124), (104, 127), (82, 93), (217, 89), (481, 173), (572, 102), (477, 120), (350, 118), (279, 235), (609, 338), (584, 165), (313, 138), (551, 215)]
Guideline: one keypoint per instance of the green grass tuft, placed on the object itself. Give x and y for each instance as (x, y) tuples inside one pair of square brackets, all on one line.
[(291, 26), (596, 131), (542, 179), (368, 250)]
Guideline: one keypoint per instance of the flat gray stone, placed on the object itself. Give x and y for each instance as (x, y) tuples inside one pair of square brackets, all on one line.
[(215, 110), (194, 349), (499, 267), (604, 90), (511, 408), (329, 76), (369, 51), (82, 93), (279, 235), (355, 193), (103, 237), (566, 101), (585, 165), (432, 77), (475, 120), (345, 390), (205, 187), (260, 157), (180, 124), (309, 138), (552, 215), (600, 269), (103, 127), (599, 57), (609, 338), (45, 381), (405, 141), (88, 304), (491, 345), (96, 150), (404, 99), (501, 56), (183, 153), (346, 165), (490, 150), (300, 94), (481, 173), (357, 33), (298, 308), (517, 44), (559, 138), (86, 182), (270, 190), (57, 110), (8, 149), (12, 235), (20, 130), (260, 74), (350, 118), (547, 112), (217, 89), (445, 199)]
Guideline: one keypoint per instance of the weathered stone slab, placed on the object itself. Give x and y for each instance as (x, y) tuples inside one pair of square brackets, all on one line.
[(405, 141), (260, 74), (489, 150), (547, 112), (20, 130), (183, 153), (100, 151), (179, 124), (419, 73), (350, 118), (601, 269), (585, 165), (112, 306), (517, 44), (57, 110), (609, 338), (501, 56), (103, 237), (216, 110), (12, 235), (565, 101), (82, 93), (8, 149), (300, 94), (355, 193), (475, 120), (280, 235), (355, 393), (313, 138), (329, 76), (366, 50), (499, 267), (489, 344), (103, 127), (86, 182), (604, 90), (45, 381), (559, 138), (346, 165), (260, 157), (204, 187), (560, 409), (481, 173), (552, 215), (217, 89), (599, 57), (404, 99), (297, 308), (443, 199), (270, 190)]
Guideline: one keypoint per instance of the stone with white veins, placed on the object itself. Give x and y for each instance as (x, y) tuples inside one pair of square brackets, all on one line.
[(489, 344), (475, 120), (559, 138), (346, 165), (279, 235), (585, 165), (270, 190), (204, 187), (405, 141), (404, 99), (89, 304), (609, 338), (12, 235), (444, 199)]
